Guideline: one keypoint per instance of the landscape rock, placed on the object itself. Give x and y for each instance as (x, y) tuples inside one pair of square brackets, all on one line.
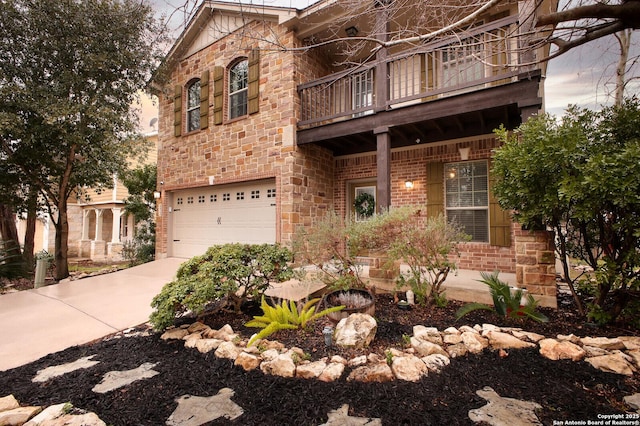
[(452, 339), (633, 401), (207, 345), (190, 340), (554, 350), (525, 335), (592, 351), (18, 416), (425, 348), (117, 379), (174, 334), (357, 361), (356, 331), (409, 368), (630, 342), (58, 370), (603, 343), (340, 417), (474, 342), (501, 411), (282, 366), (500, 340), (459, 349), (429, 334), (568, 337), (436, 362), (613, 363), (198, 410), (377, 373), (247, 361), (311, 370), (198, 327), (8, 402), (227, 350), (332, 372)]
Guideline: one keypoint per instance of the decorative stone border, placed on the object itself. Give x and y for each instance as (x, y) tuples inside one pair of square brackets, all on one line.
[(430, 351)]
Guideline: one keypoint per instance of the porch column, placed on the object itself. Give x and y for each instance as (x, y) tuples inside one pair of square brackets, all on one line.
[(115, 224), (99, 219), (383, 154), (85, 224)]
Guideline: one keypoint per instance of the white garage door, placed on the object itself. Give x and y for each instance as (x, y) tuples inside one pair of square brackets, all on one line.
[(206, 216)]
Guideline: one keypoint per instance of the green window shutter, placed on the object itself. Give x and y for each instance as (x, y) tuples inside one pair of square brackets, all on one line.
[(204, 100), (218, 94), (177, 111), (499, 221), (435, 189), (253, 82)]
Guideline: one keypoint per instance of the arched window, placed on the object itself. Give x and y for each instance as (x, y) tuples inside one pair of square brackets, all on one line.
[(193, 106), (238, 88)]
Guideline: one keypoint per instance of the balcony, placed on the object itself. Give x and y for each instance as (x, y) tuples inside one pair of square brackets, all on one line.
[(487, 56)]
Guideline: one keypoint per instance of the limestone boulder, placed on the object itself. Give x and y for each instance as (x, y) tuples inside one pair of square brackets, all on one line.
[(474, 342), (356, 331), (332, 372), (426, 348), (310, 370), (227, 350), (605, 343), (8, 402), (429, 334), (555, 350), (436, 362), (282, 366), (377, 373), (207, 345), (174, 334), (247, 361), (617, 363), (501, 340), (409, 368)]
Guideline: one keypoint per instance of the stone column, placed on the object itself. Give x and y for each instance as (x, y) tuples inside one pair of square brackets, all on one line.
[(535, 265)]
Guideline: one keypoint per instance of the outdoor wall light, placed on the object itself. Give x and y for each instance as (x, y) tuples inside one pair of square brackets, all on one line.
[(156, 195), (408, 184), (351, 31)]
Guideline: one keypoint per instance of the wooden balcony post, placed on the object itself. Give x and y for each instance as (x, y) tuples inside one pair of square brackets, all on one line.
[(381, 76), (383, 153)]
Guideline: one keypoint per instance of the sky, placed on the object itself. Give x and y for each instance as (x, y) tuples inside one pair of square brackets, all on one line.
[(582, 77)]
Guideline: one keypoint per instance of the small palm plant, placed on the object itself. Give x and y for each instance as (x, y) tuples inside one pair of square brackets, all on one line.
[(286, 316), (506, 303)]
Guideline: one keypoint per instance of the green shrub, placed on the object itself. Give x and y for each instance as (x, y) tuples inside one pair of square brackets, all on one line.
[(506, 303), (287, 315), (230, 274)]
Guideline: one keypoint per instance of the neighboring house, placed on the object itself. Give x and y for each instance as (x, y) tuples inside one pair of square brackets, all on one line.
[(98, 224), (256, 141)]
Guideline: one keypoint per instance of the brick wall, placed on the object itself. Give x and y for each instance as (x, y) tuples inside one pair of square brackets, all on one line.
[(411, 164)]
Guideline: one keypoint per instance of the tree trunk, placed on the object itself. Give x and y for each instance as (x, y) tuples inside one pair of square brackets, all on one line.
[(8, 229), (624, 39), (29, 235), (62, 242)]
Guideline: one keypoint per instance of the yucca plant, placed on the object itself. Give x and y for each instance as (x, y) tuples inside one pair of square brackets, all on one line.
[(287, 315), (505, 302)]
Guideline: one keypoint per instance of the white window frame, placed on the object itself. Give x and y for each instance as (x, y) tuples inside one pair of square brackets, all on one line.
[(193, 106), (240, 93), (371, 189), (451, 172)]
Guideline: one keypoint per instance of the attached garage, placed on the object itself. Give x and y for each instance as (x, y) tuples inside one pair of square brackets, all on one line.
[(205, 216)]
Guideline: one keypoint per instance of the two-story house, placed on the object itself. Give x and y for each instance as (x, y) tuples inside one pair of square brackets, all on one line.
[(265, 124)]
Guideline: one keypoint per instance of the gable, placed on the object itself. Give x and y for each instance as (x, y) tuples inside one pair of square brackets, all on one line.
[(218, 26)]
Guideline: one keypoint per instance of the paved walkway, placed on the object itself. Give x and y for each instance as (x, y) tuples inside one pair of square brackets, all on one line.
[(41, 321)]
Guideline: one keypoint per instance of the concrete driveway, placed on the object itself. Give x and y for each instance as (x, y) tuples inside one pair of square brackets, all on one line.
[(37, 322)]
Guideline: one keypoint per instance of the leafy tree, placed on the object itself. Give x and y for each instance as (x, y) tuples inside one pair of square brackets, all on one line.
[(141, 184), (69, 73), (581, 178)]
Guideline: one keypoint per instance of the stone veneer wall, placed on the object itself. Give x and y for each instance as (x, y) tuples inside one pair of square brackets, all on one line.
[(536, 263), (258, 146), (411, 164)]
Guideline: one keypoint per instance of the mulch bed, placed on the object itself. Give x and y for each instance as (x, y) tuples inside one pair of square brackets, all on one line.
[(567, 390)]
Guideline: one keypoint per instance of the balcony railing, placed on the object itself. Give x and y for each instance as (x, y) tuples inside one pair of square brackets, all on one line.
[(484, 57)]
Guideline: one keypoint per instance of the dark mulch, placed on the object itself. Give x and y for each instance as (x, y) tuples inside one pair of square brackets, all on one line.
[(567, 390)]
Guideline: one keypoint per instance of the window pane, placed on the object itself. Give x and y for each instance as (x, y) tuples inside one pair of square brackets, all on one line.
[(193, 106), (238, 86), (473, 222), (238, 104)]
